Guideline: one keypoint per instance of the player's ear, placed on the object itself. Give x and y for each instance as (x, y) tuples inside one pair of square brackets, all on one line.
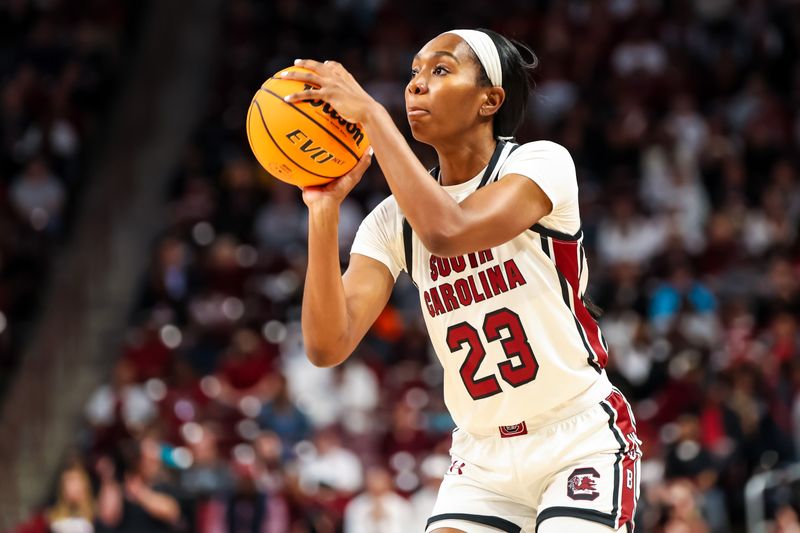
[(492, 100)]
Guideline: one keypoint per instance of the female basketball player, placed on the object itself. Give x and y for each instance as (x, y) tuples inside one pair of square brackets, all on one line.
[(544, 443)]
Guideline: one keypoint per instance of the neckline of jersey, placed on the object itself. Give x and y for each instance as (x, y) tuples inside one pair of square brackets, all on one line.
[(467, 185)]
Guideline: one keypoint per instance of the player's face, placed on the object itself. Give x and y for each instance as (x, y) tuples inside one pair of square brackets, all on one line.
[(443, 98)]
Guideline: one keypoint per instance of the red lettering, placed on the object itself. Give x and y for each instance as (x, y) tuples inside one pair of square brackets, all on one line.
[(515, 278), (429, 305), (496, 279), (475, 294), (458, 263), (434, 272), (437, 302), (485, 256), (450, 301), (462, 289), (444, 267), (473, 260), (485, 284)]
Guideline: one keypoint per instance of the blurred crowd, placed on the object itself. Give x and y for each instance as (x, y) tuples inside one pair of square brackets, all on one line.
[(682, 119), (60, 61)]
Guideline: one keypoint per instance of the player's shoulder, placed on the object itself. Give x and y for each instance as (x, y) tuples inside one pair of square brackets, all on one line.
[(547, 163), (541, 150), (387, 211), (388, 205)]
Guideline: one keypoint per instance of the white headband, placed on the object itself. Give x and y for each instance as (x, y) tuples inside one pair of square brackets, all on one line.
[(484, 48)]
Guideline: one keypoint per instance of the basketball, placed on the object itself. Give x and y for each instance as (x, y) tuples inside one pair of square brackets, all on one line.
[(302, 143)]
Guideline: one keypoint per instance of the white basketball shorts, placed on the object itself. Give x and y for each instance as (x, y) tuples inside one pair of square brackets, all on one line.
[(583, 466)]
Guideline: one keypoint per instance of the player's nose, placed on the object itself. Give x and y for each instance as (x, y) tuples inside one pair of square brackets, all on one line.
[(417, 86)]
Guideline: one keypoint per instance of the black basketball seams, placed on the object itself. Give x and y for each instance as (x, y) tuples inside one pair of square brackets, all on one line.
[(337, 139), (261, 114)]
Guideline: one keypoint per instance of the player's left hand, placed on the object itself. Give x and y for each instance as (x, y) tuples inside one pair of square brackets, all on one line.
[(336, 86)]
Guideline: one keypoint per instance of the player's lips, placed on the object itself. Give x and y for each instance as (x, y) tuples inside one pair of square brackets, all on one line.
[(414, 111)]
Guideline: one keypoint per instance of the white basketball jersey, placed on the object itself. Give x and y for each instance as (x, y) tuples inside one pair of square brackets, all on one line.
[(508, 324)]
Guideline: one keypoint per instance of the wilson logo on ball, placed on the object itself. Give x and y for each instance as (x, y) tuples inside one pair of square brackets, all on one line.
[(351, 128)]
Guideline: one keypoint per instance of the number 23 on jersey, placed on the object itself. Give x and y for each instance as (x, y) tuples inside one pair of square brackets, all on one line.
[(515, 344)]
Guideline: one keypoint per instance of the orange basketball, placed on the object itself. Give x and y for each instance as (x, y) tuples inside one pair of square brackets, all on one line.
[(304, 143)]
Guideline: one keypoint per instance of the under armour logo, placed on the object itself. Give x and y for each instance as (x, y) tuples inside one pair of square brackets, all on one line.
[(456, 467)]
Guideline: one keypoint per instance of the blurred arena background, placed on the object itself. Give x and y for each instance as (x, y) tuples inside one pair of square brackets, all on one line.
[(151, 274)]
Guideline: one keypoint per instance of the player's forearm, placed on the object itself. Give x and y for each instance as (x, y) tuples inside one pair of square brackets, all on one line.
[(433, 213), (324, 315)]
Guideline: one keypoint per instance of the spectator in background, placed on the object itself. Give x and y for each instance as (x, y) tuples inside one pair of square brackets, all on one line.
[(689, 460), (682, 292), (74, 508), (770, 226), (241, 197), (246, 510), (626, 236), (683, 512), (358, 394), (247, 368), (779, 290), (120, 408), (146, 351), (270, 464), (378, 508), (208, 481), (171, 276), (145, 500), (38, 196), (279, 225), (406, 432), (330, 464), (284, 418)]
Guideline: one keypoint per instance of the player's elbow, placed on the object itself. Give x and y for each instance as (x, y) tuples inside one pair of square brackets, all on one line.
[(443, 243), (325, 357), (441, 240)]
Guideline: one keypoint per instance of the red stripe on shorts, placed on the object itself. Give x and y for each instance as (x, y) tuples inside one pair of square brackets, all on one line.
[(627, 428)]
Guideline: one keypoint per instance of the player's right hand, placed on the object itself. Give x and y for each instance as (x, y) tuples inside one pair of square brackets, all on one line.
[(333, 193)]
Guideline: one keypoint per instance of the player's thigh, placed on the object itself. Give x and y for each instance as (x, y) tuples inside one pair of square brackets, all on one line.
[(466, 505), (599, 484), (567, 524), (476, 494), (602, 489)]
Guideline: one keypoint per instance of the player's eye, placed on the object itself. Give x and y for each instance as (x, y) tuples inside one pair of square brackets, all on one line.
[(439, 70), (414, 72)]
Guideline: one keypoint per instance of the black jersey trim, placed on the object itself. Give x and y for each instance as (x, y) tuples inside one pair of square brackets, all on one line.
[(547, 232), (498, 151), (497, 176), (612, 425), (409, 251), (571, 512), (492, 521)]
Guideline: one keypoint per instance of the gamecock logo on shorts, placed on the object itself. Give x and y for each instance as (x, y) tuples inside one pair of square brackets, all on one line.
[(582, 485)]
